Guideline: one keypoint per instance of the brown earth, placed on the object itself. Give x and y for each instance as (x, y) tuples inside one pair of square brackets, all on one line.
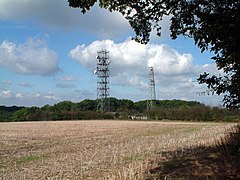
[(106, 149)]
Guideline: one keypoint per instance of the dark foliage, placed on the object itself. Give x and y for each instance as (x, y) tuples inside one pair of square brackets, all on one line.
[(230, 144), (120, 109), (6, 112)]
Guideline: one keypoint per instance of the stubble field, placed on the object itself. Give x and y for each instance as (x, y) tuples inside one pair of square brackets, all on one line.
[(96, 149)]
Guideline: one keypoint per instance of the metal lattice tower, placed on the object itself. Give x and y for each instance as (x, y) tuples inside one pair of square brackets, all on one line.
[(151, 86), (103, 88)]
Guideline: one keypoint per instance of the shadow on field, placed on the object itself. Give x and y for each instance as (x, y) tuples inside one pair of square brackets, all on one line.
[(219, 162)]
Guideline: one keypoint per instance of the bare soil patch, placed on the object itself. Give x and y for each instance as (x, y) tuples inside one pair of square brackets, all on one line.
[(97, 149)]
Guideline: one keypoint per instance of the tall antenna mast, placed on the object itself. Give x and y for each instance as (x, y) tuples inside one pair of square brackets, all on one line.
[(103, 88), (151, 86)]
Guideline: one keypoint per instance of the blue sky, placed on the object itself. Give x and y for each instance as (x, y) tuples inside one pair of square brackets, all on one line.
[(48, 54)]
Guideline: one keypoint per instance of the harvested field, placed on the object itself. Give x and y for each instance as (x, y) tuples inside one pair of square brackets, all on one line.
[(95, 149)]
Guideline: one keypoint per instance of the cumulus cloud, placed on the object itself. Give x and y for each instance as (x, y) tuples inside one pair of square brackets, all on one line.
[(58, 14), (32, 57), (19, 96), (132, 56), (50, 96), (10, 98), (6, 94), (129, 79), (35, 95), (130, 60)]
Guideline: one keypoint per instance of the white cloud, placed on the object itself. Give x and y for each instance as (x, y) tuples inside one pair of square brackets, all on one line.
[(57, 13), (6, 94), (19, 96), (50, 96), (132, 80), (165, 29), (32, 57), (211, 68), (35, 95), (168, 61), (10, 98), (132, 56), (133, 59), (41, 99)]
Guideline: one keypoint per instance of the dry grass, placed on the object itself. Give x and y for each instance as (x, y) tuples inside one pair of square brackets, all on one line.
[(96, 149), (218, 161)]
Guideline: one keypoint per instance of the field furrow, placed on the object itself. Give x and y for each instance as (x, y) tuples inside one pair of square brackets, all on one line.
[(95, 149)]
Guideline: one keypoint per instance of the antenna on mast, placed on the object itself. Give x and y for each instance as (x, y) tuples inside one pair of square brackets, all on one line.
[(151, 88), (102, 72)]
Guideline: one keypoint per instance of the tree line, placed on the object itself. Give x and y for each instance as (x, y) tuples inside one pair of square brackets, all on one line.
[(120, 109)]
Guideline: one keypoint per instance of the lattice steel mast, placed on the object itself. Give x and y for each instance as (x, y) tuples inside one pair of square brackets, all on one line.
[(103, 87), (151, 86)]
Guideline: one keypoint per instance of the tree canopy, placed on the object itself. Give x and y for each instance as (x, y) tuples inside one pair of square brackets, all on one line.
[(120, 109), (213, 24)]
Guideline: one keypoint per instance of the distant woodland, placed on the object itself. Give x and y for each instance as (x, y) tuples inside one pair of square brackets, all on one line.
[(120, 109)]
